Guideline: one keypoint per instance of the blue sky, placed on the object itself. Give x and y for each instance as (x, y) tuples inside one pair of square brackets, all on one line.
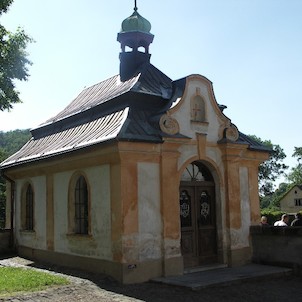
[(250, 49)]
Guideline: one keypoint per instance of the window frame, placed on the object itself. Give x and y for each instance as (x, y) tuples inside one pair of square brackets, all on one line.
[(298, 202), (28, 208), (79, 224)]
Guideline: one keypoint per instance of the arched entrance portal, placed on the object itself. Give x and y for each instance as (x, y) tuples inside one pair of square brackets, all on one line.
[(197, 215)]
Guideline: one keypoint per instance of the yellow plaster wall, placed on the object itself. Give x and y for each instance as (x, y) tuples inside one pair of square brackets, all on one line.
[(49, 213), (98, 243), (135, 192), (149, 211), (8, 207), (36, 238)]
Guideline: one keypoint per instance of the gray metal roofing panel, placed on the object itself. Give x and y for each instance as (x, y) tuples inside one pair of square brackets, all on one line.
[(153, 82), (95, 95), (253, 144), (148, 80), (99, 130)]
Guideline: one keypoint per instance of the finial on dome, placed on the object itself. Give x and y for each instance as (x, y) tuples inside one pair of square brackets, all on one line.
[(135, 38), (136, 22), (135, 6)]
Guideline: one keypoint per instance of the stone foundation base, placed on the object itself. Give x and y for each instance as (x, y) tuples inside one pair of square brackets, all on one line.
[(122, 272), (240, 257)]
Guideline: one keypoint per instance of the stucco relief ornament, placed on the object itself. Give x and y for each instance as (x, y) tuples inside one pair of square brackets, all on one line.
[(168, 124), (232, 133)]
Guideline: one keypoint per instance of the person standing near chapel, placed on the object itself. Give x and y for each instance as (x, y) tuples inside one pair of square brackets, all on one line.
[(298, 220), (263, 221), (283, 221)]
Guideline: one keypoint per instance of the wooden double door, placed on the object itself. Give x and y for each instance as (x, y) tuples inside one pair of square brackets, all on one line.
[(198, 223)]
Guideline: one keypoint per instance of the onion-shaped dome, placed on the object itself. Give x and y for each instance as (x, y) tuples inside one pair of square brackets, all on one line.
[(136, 23)]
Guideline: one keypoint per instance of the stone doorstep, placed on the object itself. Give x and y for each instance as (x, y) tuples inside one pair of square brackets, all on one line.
[(224, 276), (204, 268)]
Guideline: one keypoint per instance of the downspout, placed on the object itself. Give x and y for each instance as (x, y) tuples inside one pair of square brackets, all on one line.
[(12, 208)]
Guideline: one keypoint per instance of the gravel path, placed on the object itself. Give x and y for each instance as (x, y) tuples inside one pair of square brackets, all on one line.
[(95, 288)]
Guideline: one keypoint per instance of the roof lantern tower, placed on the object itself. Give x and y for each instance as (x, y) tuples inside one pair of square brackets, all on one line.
[(135, 38)]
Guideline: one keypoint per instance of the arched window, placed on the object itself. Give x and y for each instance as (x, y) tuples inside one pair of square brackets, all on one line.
[(81, 206), (27, 208), (196, 171)]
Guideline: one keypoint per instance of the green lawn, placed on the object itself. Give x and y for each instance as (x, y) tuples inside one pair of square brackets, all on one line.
[(14, 280)]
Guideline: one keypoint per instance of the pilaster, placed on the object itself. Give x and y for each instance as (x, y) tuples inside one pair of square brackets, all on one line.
[(49, 213), (172, 259)]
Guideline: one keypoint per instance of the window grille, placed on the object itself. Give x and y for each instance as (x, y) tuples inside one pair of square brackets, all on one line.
[(81, 206)]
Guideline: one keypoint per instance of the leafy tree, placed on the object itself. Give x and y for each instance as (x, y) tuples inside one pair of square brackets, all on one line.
[(10, 142), (295, 175), (272, 201), (272, 169), (13, 61), (298, 153), (2, 193)]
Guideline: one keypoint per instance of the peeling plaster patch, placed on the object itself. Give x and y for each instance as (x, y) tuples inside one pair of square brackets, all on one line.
[(150, 247), (99, 180), (245, 204), (36, 239), (240, 237), (77, 244), (150, 223), (171, 248), (149, 198), (99, 243), (116, 250), (60, 197), (130, 250)]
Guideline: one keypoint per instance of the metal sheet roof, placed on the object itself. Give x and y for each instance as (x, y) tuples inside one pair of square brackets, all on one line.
[(111, 109), (95, 95), (253, 144), (99, 130), (149, 81)]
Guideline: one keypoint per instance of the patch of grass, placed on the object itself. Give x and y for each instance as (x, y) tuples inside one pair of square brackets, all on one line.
[(14, 279)]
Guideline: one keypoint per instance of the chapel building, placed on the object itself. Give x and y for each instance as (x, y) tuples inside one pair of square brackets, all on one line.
[(140, 176)]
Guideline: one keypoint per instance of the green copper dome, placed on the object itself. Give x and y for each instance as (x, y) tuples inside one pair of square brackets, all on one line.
[(136, 23)]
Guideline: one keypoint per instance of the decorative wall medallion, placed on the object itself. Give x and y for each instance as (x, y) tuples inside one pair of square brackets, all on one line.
[(168, 124), (231, 133)]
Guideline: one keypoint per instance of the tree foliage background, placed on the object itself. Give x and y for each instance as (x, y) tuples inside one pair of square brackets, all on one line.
[(295, 174), (14, 65), (13, 61), (10, 142), (272, 169)]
